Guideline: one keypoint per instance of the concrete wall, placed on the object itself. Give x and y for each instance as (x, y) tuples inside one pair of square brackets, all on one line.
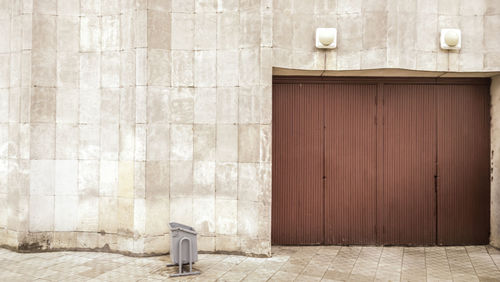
[(118, 116), (495, 162)]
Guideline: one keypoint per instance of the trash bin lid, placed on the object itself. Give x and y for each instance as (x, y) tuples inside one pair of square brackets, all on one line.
[(174, 226)]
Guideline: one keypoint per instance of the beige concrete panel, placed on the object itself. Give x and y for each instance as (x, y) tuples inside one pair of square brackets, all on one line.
[(472, 28), (42, 177), (108, 210), (66, 213), (426, 60), (110, 69), (42, 138), (182, 68), (282, 30), (140, 142), (492, 61), (44, 32), (228, 68), (227, 105), (349, 7), (4, 105), (126, 179), (159, 67), (182, 105), (66, 178), (110, 141), (265, 143), (449, 7), (90, 70), (68, 7), (139, 222), (205, 65), (228, 29), (67, 141), (181, 210), (158, 105), (160, 5), (181, 186), (125, 216), (141, 104), (68, 33), (248, 184), (140, 179), (43, 104), (89, 145), (471, 62), (249, 73), (90, 7), (157, 180), (88, 178), (108, 178), (4, 141), (67, 104), (127, 30), (226, 216), (226, 149), (157, 215), (68, 68), (491, 39), (205, 105), (110, 106), (90, 33), (140, 28), (159, 25), (141, 67), (90, 106), (204, 215), (250, 28), (204, 142), (182, 31), (88, 213), (43, 68), (248, 143), (127, 105), (248, 218), (204, 179), (41, 213), (249, 104), (158, 142), (110, 33), (205, 31)]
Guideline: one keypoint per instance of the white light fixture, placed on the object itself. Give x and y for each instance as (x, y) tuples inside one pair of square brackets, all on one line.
[(326, 38), (451, 39)]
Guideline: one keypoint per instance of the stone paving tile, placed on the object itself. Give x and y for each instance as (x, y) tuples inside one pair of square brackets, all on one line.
[(317, 263)]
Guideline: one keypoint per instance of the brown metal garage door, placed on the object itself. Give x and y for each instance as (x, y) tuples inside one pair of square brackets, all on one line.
[(380, 161)]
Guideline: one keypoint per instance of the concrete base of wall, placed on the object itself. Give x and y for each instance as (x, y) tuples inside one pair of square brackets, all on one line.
[(123, 244)]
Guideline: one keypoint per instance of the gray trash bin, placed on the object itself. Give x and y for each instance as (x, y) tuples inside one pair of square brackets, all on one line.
[(183, 247)]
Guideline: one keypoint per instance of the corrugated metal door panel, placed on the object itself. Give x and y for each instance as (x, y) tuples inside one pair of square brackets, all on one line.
[(297, 209), (463, 164), (409, 165), (350, 163)]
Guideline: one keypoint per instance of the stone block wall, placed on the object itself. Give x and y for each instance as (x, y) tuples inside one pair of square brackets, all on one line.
[(119, 116)]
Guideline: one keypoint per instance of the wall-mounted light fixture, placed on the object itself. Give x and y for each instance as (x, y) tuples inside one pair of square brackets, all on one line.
[(326, 38), (451, 39)]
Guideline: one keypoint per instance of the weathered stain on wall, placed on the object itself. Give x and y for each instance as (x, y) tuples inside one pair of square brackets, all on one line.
[(117, 117)]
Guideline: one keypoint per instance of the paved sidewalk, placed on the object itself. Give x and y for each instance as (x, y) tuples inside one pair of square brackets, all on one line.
[(325, 263)]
